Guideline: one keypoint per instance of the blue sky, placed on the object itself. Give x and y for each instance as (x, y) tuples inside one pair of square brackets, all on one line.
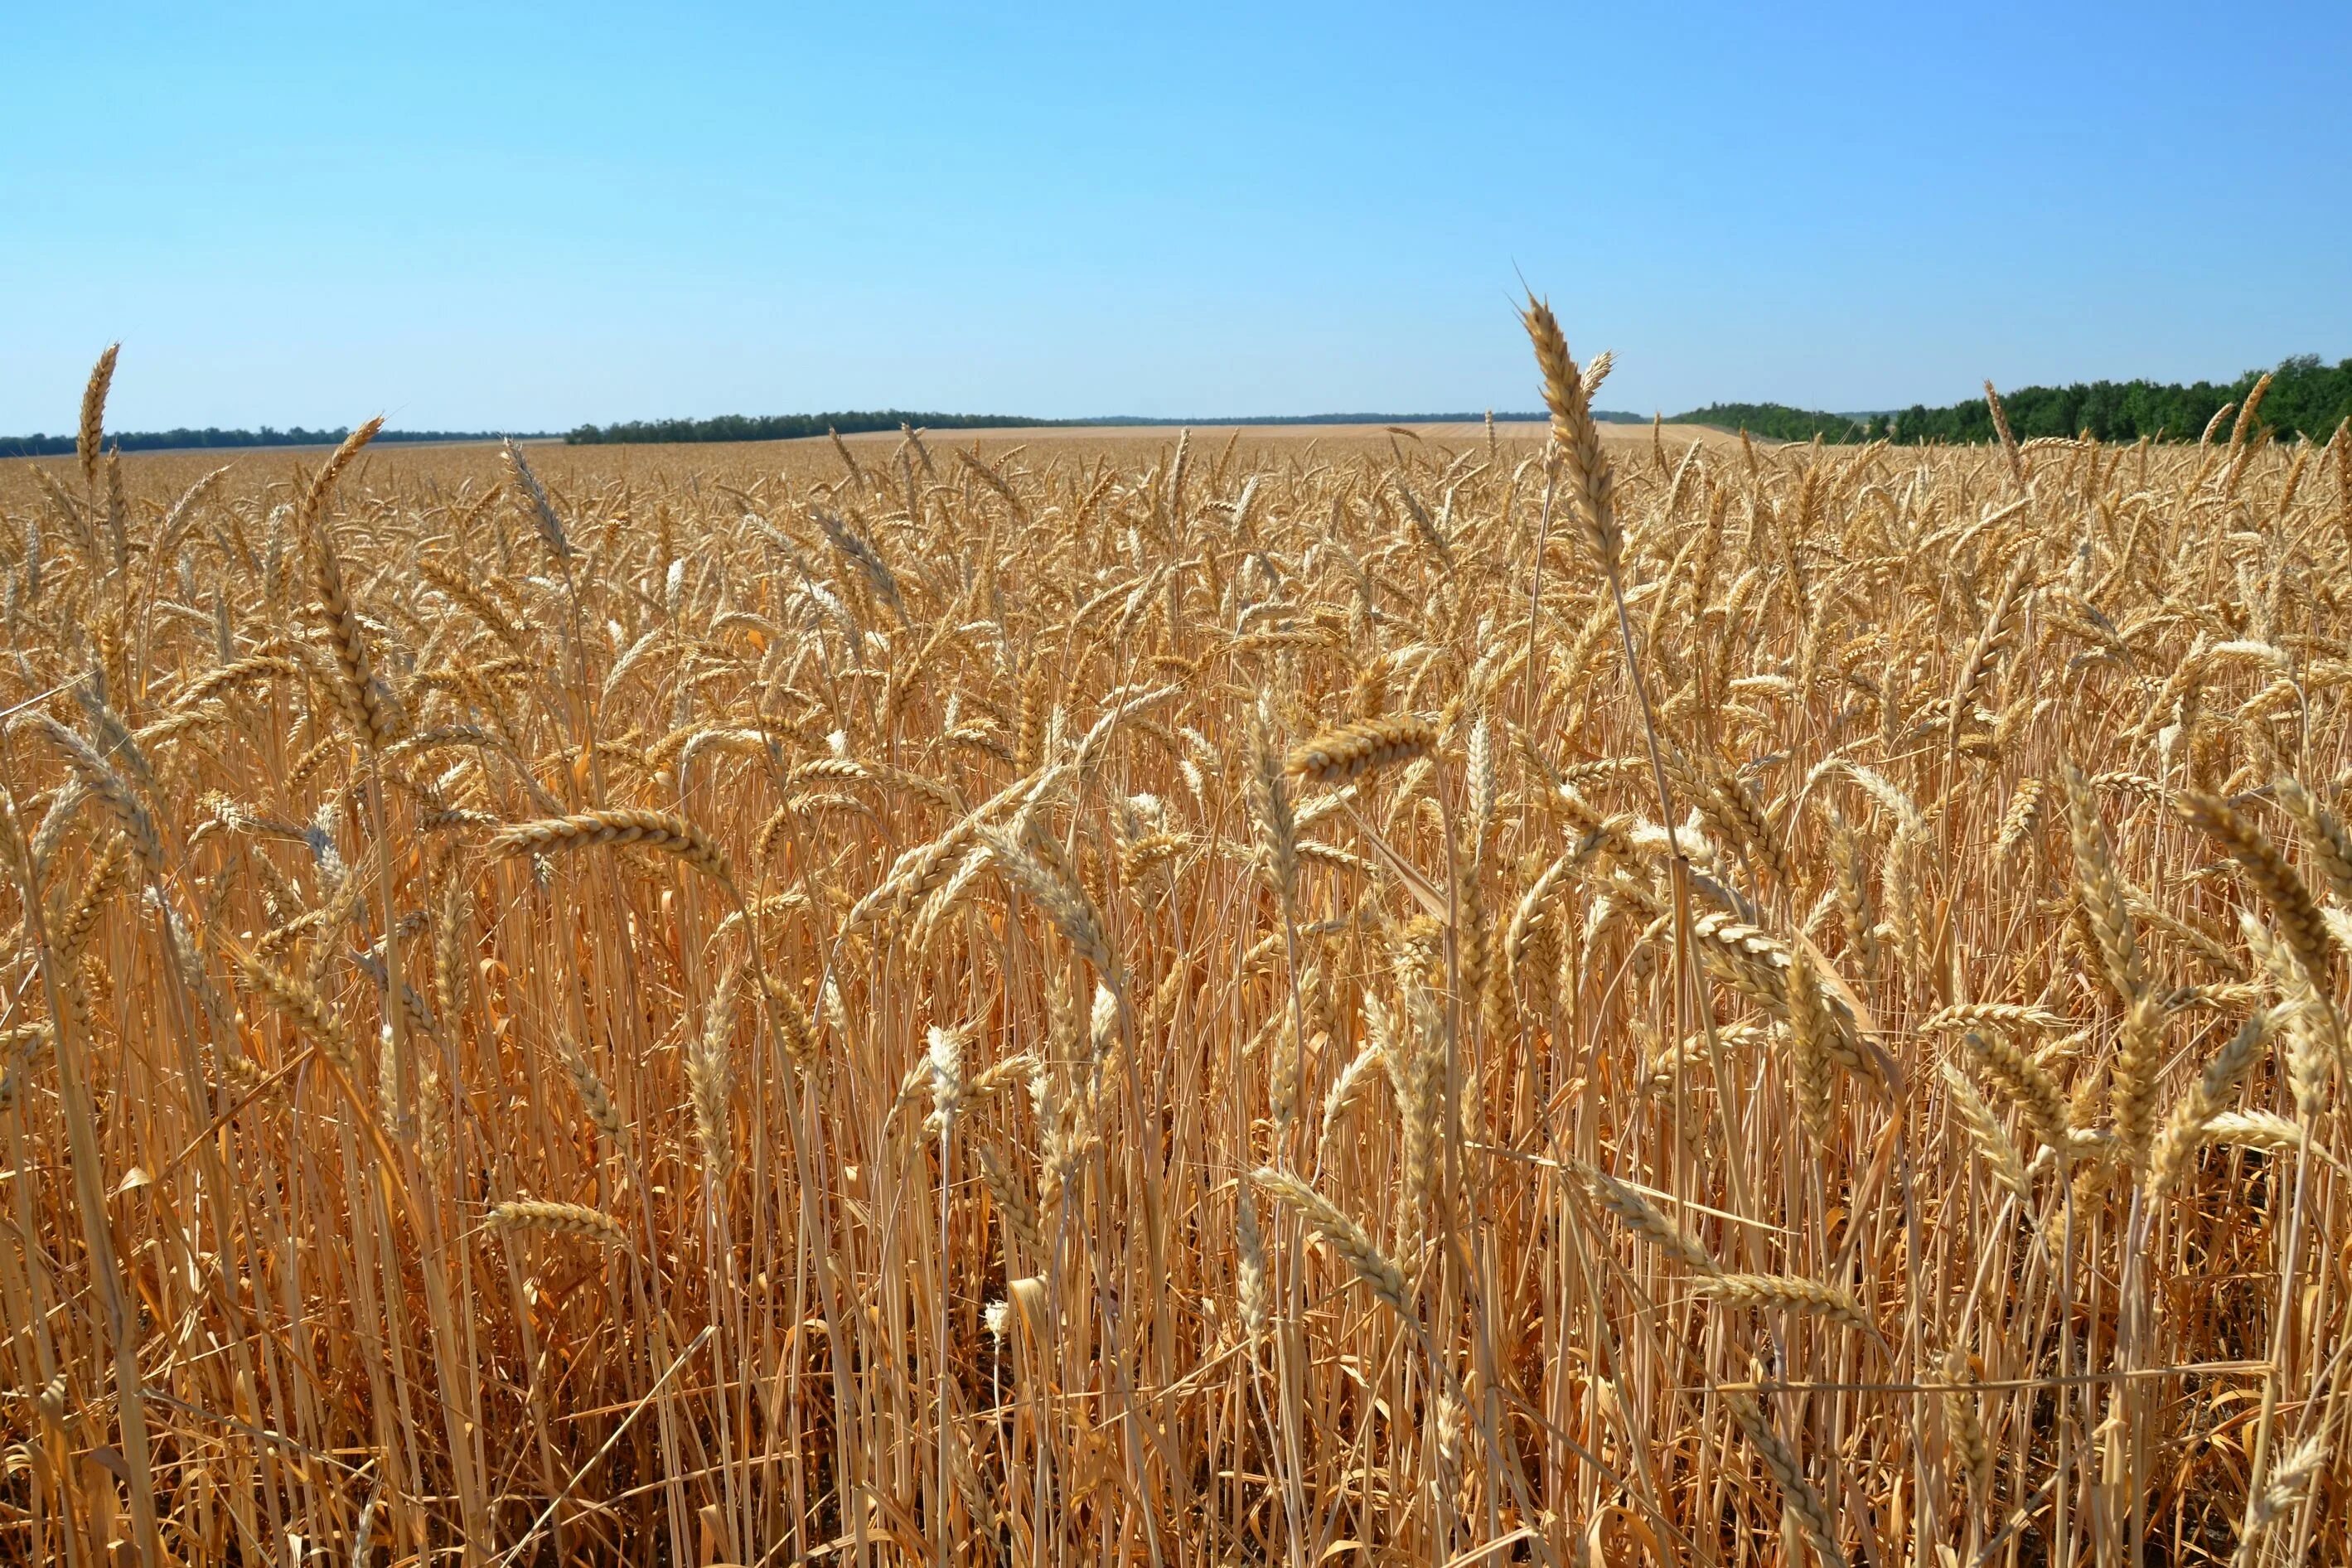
[(487, 216)]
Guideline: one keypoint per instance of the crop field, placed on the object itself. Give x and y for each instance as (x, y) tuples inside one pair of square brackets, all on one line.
[(1559, 995)]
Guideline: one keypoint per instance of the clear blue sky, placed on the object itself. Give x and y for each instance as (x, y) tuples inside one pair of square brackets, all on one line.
[(485, 215)]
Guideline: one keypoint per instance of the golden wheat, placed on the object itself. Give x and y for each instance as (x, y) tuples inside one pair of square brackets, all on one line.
[(1505, 932)]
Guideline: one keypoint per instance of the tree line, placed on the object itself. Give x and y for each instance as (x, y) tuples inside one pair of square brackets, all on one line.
[(791, 427), (2306, 397), (788, 427), (1774, 421), (212, 436)]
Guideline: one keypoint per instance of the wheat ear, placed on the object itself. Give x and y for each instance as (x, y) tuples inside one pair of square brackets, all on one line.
[(1644, 1219), (1805, 1504), (1790, 1293), (576, 1220), (654, 830), (2184, 1129), (1341, 756), (2291, 903), (90, 437), (1343, 1235)]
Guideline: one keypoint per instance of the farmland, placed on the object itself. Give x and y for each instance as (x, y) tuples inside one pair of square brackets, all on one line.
[(1561, 995)]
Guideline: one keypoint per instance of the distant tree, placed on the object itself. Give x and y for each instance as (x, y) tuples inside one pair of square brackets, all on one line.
[(1775, 421), (786, 426), (2308, 397), (212, 436)]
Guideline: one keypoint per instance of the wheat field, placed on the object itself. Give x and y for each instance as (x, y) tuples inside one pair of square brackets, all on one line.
[(1465, 996)]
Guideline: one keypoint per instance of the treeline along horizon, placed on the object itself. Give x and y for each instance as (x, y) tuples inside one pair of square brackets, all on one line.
[(2306, 396), (792, 427), (723, 427), (183, 437), (789, 426)]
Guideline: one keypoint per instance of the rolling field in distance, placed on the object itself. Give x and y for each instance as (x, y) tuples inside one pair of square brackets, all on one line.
[(1289, 996), (745, 462)]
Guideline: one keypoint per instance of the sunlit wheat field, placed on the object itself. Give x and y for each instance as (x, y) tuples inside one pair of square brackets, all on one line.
[(1440, 995)]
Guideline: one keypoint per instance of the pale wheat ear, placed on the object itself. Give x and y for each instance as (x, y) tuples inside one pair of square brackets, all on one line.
[(90, 434), (1591, 486), (2185, 1127), (1346, 1238), (1806, 1507), (2300, 923), (99, 783), (709, 1076), (576, 1220), (594, 1098)]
